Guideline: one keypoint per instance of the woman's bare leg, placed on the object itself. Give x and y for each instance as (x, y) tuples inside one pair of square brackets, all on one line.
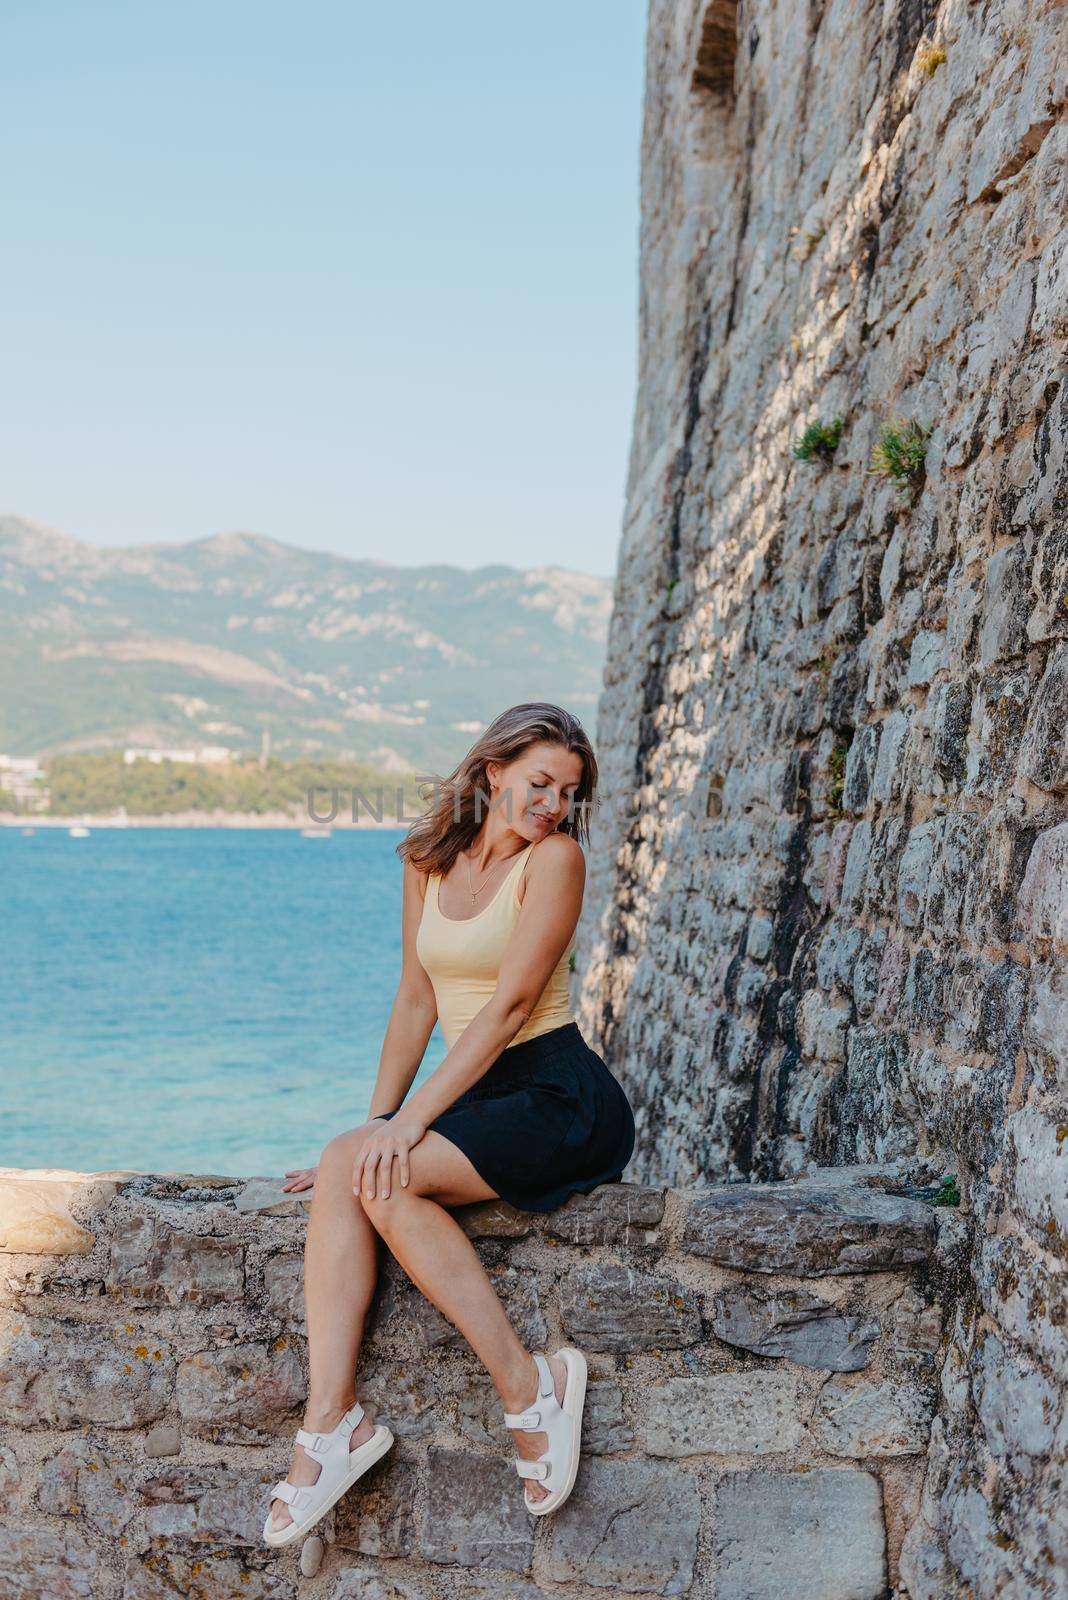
[(340, 1272), (443, 1264)]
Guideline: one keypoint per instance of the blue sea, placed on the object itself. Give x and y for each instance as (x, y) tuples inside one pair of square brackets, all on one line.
[(195, 1000)]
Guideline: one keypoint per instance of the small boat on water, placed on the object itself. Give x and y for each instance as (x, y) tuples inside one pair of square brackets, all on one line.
[(26, 832), (316, 833), (78, 832)]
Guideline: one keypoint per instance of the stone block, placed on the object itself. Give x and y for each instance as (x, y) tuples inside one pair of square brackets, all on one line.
[(493, 1219), (152, 1263), (815, 1535), (870, 1418), (914, 872), (837, 856), (379, 1518), (283, 1282), (630, 1526), (858, 859), (1020, 1408), (401, 1396), (205, 1575), (519, 1294), (86, 1480), (860, 769), (759, 939), (724, 1413), (474, 1514), (1046, 1029), (35, 1210), (810, 1233), (616, 1214), (208, 1505), (616, 1308), (866, 971), (1044, 752), (385, 1583), (1006, 602), (267, 1198), (1042, 909), (10, 1479), (952, 715), (481, 1583), (605, 1429), (58, 1375), (45, 1564), (992, 758), (1027, 1298), (926, 656), (240, 1394), (798, 1326), (886, 780), (1040, 1170), (822, 1028)]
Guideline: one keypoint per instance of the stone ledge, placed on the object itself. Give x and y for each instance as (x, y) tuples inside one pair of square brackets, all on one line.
[(150, 1383)]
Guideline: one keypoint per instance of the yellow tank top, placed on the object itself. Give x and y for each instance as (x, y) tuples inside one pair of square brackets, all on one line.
[(463, 959)]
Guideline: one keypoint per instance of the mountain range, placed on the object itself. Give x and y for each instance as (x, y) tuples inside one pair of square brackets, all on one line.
[(213, 641)]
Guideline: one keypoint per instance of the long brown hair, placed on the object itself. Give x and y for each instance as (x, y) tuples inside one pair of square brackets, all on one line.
[(452, 823)]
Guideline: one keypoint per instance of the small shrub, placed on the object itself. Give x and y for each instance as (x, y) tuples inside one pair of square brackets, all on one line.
[(942, 1193), (571, 962), (948, 1194), (900, 453), (929, 57), (836, 787), (819, 439)]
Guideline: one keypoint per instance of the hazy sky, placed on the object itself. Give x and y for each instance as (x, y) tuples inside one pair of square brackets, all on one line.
[(361, 276)]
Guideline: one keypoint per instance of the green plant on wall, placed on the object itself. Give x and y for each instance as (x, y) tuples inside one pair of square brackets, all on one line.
[(929, 57), (836, 786), (900, 453), (819, 441)]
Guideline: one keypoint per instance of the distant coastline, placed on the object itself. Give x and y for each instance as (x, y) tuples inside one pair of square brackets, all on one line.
[(201, 819)]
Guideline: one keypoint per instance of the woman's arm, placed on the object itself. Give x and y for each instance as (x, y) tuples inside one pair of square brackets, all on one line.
[(547, 919), (414, 1011)]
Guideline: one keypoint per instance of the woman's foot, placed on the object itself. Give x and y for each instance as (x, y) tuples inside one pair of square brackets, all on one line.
[(529, 1446), (303, 1469)]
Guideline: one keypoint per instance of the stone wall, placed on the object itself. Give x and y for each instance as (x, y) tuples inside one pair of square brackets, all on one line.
[(827, 910), (763, 1361)]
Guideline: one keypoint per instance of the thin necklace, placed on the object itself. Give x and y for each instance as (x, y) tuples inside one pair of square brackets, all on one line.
[(478, 891)]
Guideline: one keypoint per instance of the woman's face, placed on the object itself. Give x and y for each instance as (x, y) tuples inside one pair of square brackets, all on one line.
[(536, 789)]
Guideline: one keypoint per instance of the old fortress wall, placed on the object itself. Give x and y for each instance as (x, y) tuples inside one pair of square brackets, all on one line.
[(827, 911)]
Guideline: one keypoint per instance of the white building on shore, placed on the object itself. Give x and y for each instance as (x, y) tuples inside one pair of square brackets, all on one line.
[(23, 777)]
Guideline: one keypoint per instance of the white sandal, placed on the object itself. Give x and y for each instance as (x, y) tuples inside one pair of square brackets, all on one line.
[(340, 1467), (562, 1425)]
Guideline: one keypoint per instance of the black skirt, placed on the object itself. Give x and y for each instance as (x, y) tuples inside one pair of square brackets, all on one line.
[(545, 1120)]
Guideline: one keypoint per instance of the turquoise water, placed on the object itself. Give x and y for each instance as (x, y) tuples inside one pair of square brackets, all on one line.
[(196, 1000)]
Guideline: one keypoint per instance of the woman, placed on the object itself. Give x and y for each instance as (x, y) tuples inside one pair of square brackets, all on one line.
[(521, 1109)]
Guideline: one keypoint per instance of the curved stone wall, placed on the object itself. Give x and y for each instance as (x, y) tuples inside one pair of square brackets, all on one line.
[(764, 1363)]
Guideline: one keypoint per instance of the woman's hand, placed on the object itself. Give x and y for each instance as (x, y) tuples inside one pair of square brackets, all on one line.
[(372, 1175), (302, 1178)]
